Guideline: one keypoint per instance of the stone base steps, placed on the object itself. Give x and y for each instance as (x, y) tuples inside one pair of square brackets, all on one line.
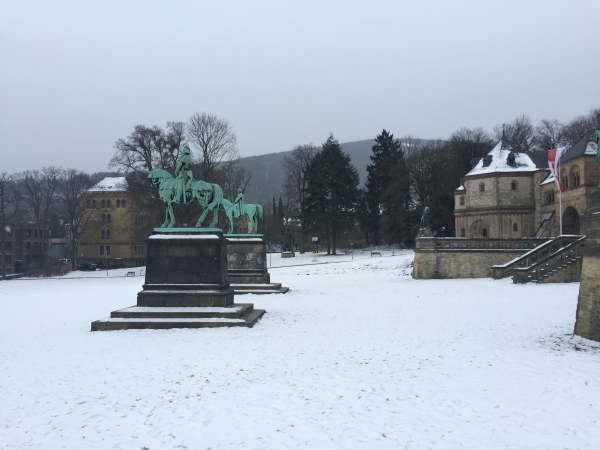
[(266, 288), (160, 318)]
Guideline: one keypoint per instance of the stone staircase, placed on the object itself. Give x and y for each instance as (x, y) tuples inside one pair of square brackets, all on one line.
[(555, 261), (258, 288)]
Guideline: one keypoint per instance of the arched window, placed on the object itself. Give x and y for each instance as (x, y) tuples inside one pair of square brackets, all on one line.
[(93, 203), (107, 234), (575, 176), (481, 187), (103, 235), (463, 232), (108, 218), (122, 203), (104, 203), (484, 232), (462, 199), (108, 203), (88, 204), (513, 186), (103, 218), (118, 203), (515, 227)]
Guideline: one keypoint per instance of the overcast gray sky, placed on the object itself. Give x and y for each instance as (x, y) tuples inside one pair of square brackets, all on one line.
[(77, 75)]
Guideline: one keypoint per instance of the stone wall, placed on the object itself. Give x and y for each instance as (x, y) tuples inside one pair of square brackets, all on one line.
[(587, 322), (465, 258)]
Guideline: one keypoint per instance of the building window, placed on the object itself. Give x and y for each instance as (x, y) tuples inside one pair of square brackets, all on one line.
[(107, 234), (576, 179), (513, 186), (28, 233), (8, 245), (481, 187), (27, 259), (565, 182), (122, 203), (463, 232), (103, 234), (93, 203), (101, 250), (108, 203), (35, 233), (103, 218), (108, 218), (138, 250), (550, 197), (7, 259), (35, 245), (515, 227), (462, 199), (484, 232), (104, 203), (118, 203), (88, 204), (28, 246), (107, 250)]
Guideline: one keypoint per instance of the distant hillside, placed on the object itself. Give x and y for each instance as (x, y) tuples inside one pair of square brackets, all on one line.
[(268, 176)]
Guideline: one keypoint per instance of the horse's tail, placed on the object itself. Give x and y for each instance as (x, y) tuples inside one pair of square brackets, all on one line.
[(260, 211)]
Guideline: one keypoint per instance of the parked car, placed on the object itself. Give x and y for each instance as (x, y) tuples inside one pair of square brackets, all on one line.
[(86, 266)]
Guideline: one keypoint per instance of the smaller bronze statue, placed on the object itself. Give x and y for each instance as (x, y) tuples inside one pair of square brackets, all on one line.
[(425, 218)]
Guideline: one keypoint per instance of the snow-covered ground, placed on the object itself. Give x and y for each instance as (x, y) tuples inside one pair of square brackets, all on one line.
[(357, 355)]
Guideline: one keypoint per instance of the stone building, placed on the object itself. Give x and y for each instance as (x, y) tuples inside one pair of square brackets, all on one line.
[(509, 194), (117, 234), (580, 176), (25, 247), (500, 196)]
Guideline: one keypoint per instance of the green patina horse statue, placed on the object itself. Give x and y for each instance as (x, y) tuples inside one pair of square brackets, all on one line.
[(254, 212), (209, 195)]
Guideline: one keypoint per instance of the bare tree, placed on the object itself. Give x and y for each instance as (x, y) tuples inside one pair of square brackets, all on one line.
[(40, 194), (150, 148), (519, 132), (231, 177), (576, 128), (295, 185), (73, 186), (548, 134), (215, 140), (9, 207)]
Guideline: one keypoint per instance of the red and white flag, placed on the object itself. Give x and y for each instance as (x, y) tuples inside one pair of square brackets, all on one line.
[(554, 164)]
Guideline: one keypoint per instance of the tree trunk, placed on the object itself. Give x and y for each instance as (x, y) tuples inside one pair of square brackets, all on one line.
[(333, 239), (327, 234)]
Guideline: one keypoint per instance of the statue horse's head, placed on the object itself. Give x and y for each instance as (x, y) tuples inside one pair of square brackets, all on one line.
[(157, 176)]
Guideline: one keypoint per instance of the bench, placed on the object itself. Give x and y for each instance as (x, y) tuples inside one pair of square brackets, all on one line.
[(375, 253), (130, 274)]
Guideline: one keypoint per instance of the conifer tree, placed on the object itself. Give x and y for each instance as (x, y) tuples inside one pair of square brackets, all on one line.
[(387, 186), (332, 193)]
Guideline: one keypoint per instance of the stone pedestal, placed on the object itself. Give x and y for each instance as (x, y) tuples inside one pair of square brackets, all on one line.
[(247, 265), (247, 259), (187, 286), (587, 322)]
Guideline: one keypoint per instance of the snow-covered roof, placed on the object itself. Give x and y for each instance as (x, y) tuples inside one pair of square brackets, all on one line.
[(460, 188), (110, 184), (499, 161)]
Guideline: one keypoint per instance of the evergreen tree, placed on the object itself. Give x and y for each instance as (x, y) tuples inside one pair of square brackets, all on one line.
[(387, 187), (332, 193), (274, 220), (281, 216)]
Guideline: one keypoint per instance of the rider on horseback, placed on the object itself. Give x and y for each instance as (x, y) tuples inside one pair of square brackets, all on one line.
[(183, 172)]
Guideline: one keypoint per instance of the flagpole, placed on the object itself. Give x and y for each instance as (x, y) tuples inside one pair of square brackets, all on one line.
[(560, 209)]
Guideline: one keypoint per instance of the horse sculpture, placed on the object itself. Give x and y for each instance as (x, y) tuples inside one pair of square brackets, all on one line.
[(210, 197), (254, 212)]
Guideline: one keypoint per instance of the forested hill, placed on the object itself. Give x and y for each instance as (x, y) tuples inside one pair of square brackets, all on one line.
[(268, 177)]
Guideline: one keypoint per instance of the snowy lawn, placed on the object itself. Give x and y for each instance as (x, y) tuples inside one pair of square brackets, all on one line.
[(357, 355)]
